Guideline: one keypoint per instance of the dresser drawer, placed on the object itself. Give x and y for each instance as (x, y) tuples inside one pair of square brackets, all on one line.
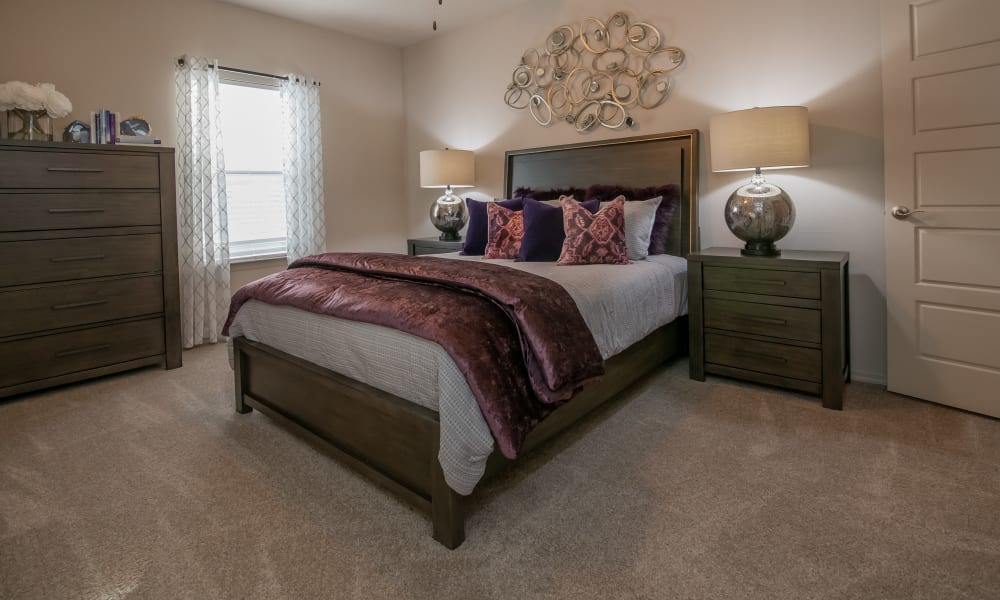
[(71, 304), (763, 319), (45, 169), (764, 357), (59, 354), (76, 210), (39, 261), (762, 281)]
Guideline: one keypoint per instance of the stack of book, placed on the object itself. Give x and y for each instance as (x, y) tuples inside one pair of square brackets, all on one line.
[(103, 127), (104, 130)]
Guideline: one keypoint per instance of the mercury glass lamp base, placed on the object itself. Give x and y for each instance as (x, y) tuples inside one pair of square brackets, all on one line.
[(760, 213), (449, 215)]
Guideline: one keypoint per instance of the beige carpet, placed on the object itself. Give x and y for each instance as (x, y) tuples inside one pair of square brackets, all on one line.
[(148, 485)]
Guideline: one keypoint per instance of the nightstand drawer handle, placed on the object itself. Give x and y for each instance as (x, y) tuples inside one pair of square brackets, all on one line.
[(76, 258), (59, 211), (768, 320), (79, 304), (73, 170), (66, 353), (762, 281), (770, 357)]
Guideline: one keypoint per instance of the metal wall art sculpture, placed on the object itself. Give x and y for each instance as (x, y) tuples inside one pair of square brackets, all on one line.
[(594, 74)]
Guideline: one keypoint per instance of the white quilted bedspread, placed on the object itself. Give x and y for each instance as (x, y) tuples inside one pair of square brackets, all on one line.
[(621, 304)]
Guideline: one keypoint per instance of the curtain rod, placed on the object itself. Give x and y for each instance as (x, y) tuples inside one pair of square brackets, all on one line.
[(180, 61)]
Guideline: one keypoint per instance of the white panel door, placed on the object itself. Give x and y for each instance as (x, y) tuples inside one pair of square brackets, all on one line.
[(941, 90)]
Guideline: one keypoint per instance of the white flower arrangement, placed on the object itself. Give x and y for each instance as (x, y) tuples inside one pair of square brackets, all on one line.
[(17, 94)]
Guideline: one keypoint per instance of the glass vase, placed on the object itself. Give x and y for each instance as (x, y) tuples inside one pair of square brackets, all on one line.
[(25, 124)]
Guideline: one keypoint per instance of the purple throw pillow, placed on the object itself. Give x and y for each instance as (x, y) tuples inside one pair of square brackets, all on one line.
[(659, 238), (477, 234), (594, 238), (543, 230)]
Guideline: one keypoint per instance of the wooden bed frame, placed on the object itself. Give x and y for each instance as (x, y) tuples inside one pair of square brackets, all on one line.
[(395, 442)]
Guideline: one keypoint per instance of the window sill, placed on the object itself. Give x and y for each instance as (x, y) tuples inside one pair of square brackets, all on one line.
[(258, 258)]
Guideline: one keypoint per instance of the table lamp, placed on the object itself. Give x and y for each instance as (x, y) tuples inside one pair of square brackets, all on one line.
[(776, 137), (447, 169)]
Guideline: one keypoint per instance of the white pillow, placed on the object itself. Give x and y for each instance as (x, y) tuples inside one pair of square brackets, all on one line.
[(639, 217)]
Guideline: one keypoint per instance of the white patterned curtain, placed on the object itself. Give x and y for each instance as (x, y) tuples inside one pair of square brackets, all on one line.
[(201, 203), (303, 167)]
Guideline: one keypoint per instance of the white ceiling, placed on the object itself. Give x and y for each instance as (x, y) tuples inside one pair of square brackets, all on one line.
[(395, 22)]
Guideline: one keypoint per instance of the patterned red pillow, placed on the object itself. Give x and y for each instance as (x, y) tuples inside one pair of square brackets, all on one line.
[(593, 239), (505, 228)]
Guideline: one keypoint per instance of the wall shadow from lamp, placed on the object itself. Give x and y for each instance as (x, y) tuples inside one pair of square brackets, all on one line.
[(448, 169), (777, 137)]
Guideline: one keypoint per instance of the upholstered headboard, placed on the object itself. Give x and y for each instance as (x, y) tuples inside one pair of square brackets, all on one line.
[(636, 162)]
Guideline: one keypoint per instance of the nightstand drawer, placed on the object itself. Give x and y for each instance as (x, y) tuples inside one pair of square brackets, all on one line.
[(425, 250), (763, 319), (423, 246), (765, 357), (762, 281)]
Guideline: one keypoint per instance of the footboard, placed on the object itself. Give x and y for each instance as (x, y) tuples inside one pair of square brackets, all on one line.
[(395, 442), (390, 440)]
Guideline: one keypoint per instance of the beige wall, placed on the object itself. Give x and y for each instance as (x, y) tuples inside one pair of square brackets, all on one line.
[(824, 55), (120, 54)]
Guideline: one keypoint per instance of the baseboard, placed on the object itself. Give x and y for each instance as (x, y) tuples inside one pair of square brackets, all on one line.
[(861, 376)]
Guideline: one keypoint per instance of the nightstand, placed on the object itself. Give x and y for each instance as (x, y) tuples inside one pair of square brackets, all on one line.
[(775, 320), (432, 245)]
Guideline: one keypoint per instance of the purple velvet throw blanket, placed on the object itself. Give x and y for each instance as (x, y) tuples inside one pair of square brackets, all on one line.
[(518, 338)]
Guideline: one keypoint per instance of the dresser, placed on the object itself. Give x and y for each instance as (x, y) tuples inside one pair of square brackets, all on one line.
[(775, 320), (88, 262), (433, 245)]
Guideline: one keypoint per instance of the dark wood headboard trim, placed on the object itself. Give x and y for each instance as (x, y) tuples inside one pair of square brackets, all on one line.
[(686, 141)]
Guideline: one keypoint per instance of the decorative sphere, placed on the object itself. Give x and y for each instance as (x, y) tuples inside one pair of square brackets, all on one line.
[(760, 214), (449, 215)]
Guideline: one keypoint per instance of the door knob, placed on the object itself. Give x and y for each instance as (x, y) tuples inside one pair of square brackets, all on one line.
[(902, 212)]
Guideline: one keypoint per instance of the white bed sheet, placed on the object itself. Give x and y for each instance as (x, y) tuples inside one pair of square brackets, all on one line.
[(621, 304)]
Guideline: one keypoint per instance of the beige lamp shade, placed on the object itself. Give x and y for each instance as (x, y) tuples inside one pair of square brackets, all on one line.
[(776, 137), (443, 168)]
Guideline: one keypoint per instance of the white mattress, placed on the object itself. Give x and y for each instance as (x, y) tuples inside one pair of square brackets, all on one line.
[(621, 304)]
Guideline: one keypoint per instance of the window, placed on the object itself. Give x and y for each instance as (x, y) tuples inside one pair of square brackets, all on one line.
[(255, 191)]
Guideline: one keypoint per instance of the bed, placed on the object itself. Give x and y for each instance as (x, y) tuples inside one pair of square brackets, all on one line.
[(396, 442)]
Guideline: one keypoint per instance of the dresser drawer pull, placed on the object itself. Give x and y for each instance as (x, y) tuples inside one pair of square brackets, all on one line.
[(62, 259), (761, 281), (60, 211), (768, 320), (79, 304), (73, 170), (85, 350), (770, 357)]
